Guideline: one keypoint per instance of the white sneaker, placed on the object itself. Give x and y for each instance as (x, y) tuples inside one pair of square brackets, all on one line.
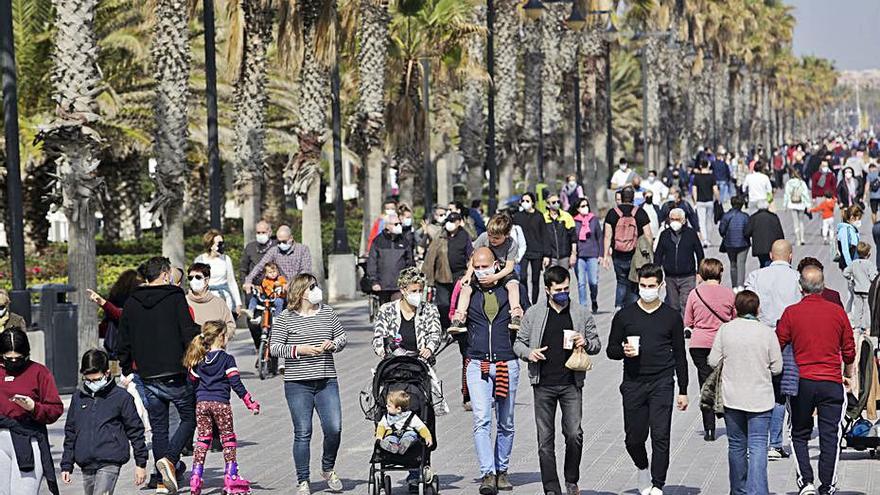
[(303, 489), (808, 489), (333, 481), (656, 491), (773, 455), (644, 482)]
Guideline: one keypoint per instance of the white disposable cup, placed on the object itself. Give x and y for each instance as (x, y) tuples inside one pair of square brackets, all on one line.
[(568, 339), (633, 340)]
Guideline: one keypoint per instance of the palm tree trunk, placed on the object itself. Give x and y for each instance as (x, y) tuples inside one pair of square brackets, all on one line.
[(314, 102), (368, 126), (472, 128), (171, 65), (250, 109), (507, 43), (533, 60), (273, 200), (73, 141)]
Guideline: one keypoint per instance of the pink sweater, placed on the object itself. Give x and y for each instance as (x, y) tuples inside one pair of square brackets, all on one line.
[(699, 318)]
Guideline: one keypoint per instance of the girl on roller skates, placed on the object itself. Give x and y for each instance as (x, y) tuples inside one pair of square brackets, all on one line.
[(213, 373)]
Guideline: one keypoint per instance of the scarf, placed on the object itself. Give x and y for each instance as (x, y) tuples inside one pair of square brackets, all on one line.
[(502, 377), (584, 231)]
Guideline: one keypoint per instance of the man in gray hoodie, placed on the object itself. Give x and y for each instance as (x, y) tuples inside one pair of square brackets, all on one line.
[(549, 334)]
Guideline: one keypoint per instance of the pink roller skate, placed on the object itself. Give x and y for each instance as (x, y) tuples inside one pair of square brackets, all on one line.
[(233, 484), (195, 479)]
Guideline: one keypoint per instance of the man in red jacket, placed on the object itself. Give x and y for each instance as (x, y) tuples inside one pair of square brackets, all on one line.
[(820, 335)]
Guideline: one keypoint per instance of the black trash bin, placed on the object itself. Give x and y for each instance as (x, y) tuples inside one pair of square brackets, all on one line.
[(56, 317)]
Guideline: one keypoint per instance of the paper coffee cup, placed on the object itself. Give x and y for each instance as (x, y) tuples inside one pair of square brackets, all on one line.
[(633, 340), (568, 339)]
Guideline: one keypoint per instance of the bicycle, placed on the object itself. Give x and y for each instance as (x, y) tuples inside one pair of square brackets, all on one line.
[(264, 313)]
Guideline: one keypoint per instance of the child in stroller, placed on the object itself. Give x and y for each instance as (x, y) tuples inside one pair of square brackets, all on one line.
[(400, 427), (395, 377)]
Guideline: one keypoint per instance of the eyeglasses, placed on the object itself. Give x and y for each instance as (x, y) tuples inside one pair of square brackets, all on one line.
[(195, 277)]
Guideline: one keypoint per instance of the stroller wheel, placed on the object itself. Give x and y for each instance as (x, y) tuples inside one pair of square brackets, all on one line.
[(387, 485)]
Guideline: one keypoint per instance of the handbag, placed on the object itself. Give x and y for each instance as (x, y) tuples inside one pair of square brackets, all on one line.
[(579, 361)]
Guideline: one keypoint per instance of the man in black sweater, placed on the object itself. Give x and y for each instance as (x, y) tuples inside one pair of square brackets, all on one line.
[(679, 252), (154, 332), (649, 337)]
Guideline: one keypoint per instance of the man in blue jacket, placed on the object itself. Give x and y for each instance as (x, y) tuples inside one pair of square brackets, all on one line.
[(492, 373)]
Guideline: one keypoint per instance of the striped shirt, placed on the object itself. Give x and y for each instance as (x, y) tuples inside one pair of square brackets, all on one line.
[(291, 329)]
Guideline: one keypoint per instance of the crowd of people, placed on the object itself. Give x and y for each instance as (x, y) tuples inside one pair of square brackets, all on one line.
[(780, 341)]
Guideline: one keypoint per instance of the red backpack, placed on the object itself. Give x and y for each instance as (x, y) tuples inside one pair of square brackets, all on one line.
[(626, 232)]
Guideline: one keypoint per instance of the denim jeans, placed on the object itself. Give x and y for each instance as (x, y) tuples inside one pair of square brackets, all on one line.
[(101, 481), (624, 294), (725, 190), (570, 400), (587, 271), (161, 394), (777, 421), (493, 458), (747, 451), (303, 398)]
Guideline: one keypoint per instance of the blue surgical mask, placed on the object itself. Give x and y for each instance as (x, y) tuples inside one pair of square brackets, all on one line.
[(97, 385), (561, 298)]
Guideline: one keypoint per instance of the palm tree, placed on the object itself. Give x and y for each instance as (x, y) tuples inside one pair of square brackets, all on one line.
[(251, 101), (171, 66), (318, 32), (367, 129), (72, 139), (437, 31)]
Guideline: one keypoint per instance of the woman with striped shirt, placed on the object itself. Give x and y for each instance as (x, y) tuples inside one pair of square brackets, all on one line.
[(306, 335)]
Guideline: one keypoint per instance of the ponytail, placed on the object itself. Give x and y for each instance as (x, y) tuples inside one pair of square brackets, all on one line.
[(201, 344)]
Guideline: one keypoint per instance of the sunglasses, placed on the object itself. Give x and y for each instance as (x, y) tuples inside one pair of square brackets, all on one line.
[(195, 277), (313, 286), (554, 202)]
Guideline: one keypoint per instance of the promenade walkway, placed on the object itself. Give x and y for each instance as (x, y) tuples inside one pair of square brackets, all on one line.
[(696, 467)]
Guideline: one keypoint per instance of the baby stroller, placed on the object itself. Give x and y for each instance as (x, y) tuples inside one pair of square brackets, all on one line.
[(412, 376), (860, 434)]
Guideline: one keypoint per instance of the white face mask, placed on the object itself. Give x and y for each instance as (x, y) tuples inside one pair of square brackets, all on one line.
[(3, 311), (390, 212), (284, 246), (623, 166), (572, 183), (98, 385), (451, 226), (316, 295), (397, 229), (485, 273), (857, 224), (651, 179), (824, 170), (197, 285), (675, 225), (407, 222), (262, 238), (583, 210), (414, 299), (527, 205), (649, 295)]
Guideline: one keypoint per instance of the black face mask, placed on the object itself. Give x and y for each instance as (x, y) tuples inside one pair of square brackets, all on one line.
[(16, 365), (221, 247)]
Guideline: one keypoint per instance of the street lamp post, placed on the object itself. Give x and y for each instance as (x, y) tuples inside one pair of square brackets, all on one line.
[(609, 124), (340, 235), (19, 297)]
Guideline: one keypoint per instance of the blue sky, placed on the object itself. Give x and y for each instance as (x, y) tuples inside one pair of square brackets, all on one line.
[(846, 31)]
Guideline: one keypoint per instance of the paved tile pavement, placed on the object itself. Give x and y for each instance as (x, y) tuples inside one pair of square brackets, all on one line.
[(696, 467)]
